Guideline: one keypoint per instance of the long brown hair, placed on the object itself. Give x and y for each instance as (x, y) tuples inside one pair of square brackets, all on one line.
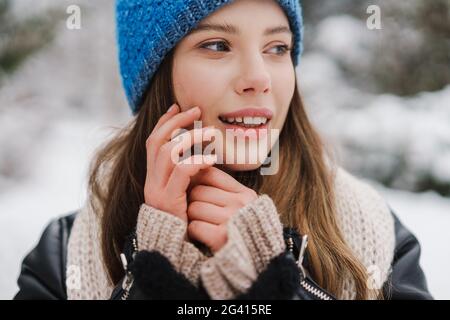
[(306, 203)]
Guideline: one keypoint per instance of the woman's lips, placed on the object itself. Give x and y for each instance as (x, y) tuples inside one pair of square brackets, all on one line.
[(247, 120), (249, 112), (253, 132)]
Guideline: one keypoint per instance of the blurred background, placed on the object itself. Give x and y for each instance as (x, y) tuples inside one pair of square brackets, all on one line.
[(380, 98)]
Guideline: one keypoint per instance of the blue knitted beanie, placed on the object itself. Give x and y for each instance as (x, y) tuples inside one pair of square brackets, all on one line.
[(148, 29)]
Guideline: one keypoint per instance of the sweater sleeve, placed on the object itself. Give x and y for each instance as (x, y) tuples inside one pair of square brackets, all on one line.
[(255, 238), (165, 233)]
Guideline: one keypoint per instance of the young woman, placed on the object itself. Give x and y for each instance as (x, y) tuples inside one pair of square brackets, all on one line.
[(155, 227)]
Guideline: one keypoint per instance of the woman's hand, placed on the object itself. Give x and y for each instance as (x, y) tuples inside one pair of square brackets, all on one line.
[(215, 197), (166, 180)]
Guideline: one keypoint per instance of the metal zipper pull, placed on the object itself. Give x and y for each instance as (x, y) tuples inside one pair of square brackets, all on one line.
[(128, 280), (309, 287), (123, 258), (301, 254)]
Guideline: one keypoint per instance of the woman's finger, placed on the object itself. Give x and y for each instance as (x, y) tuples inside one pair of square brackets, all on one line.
[(213, 195), (217, 178), (211, 235), (207, 212), (173, 110), (164, 133), (169, 153), (181, 174), (180, 120)]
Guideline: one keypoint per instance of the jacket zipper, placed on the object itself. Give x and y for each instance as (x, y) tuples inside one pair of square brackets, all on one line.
[(304, 282), (128, 280), (312, 289)]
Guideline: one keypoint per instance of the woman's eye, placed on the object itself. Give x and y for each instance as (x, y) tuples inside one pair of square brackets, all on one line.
[(223, 46), (219, 45), (284, 49)]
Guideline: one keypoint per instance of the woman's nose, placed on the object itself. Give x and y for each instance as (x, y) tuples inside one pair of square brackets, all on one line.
[(253, 77)]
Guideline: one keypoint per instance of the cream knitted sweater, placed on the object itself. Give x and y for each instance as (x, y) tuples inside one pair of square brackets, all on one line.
[(254, 237)]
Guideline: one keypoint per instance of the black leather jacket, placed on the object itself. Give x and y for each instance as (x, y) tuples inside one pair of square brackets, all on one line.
[(43, 272)]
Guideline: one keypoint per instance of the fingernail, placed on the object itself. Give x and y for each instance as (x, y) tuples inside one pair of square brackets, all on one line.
[(193, 110), (172, 108)]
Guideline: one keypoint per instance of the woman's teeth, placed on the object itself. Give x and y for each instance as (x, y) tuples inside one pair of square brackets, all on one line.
[(245, 121)]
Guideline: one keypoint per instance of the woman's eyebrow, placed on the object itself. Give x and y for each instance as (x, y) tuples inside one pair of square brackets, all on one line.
[(227, 28)]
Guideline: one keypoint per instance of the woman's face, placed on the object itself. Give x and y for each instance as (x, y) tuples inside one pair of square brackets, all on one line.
[(236, 66)]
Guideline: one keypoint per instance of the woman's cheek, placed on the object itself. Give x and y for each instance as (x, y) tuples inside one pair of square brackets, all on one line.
[(188, 79), (202, 89), (284, 92)]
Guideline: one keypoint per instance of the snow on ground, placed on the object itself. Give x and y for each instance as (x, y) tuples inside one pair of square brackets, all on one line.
[(56, 187), (427, 215)]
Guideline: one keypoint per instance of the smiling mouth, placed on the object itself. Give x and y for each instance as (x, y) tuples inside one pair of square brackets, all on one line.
[(245, 122)]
